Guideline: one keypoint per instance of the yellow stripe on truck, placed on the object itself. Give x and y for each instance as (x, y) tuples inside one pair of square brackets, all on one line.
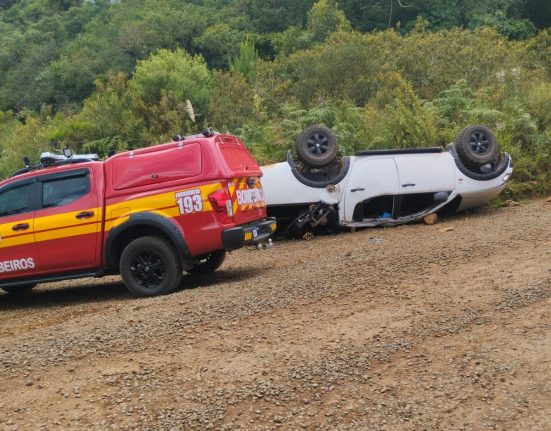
[(10, 238), (66, 224), (67, 232), (18, 240), (163, 204), (232, 186)]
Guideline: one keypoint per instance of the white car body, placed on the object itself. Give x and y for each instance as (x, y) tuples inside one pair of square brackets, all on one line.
[(426, 180)]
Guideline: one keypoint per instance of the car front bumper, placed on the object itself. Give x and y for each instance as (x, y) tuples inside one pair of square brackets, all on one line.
[(248, 234)]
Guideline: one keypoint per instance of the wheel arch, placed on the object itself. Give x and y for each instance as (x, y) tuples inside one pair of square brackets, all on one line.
[(504, 162), (143, 224)]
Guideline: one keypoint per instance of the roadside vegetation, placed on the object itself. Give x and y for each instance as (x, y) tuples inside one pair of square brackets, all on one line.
[(110, 75)]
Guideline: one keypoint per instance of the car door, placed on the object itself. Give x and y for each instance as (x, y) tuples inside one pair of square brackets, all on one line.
[(425, 179), (18, 254), (67, 224), (425, 173), (370, 177)]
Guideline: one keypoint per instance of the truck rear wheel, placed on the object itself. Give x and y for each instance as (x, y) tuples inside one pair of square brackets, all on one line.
[(476, 145), (150, 266), (208, 263), (317, 146)]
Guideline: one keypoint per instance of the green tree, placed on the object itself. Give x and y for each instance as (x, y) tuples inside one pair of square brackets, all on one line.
[(269, 16), (291, 40), (109, 119), (173, 74), (163, 83), (324, 18), (69, 79), (245, 63), (232, 101), (218, 44), (513, 28), (538, 12)]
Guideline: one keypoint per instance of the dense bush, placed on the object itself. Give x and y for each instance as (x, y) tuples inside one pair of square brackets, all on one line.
[(133, 70)]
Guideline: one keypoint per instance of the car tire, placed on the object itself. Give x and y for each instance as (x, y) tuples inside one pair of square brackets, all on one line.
[(21, 290), (150, 266), (208, 263), (317, 146), (476, 146)]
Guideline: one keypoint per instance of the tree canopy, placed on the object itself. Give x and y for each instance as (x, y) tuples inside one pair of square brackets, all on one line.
[(107, 75)]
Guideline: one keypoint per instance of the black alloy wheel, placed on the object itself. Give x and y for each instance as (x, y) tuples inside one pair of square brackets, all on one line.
[(150, 266), (476, 146), (479, 142), (148, 269), (318, 144)]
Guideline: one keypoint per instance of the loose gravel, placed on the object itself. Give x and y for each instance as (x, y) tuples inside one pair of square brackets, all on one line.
[(407, 328)]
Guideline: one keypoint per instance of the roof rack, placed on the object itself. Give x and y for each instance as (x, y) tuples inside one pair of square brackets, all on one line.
[(48, 160), (48, 157)]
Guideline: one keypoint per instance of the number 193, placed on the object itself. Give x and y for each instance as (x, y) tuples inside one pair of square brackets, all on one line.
[(190, 204)]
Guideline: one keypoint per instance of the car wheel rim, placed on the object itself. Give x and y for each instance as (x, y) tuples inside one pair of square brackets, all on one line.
[(318, 144), (148, 269), (479, 143)]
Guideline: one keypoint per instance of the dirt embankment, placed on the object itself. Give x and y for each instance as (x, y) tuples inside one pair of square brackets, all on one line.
[(405, 328)]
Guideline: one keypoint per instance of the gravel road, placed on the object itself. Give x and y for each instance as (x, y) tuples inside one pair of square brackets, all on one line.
[(405, 328)]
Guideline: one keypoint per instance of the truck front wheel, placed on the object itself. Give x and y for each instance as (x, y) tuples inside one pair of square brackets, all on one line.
[(150, 266)]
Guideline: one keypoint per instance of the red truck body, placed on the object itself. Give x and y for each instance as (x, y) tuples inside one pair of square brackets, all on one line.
[(201, 195)]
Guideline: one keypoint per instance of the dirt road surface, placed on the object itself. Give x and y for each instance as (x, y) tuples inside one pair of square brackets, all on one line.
[(406, 328)]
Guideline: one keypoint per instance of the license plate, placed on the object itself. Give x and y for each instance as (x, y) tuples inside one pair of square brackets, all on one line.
[(255, 232)]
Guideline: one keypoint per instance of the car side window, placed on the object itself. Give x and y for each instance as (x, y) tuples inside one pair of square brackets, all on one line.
[(63, 191), (15, 200)]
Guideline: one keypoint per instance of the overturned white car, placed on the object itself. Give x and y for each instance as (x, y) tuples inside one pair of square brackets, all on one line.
[(381, 187)]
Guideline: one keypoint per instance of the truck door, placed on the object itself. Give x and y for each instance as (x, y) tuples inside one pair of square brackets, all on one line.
[(370, 178), (425, 173), (67, 224), (18, 252)]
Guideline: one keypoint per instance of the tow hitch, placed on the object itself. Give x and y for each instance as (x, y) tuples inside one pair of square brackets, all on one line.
[(265, 245)]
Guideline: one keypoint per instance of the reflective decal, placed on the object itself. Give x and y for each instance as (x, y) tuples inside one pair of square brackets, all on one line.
[(189, 201), (249, 196), (16, 265)]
